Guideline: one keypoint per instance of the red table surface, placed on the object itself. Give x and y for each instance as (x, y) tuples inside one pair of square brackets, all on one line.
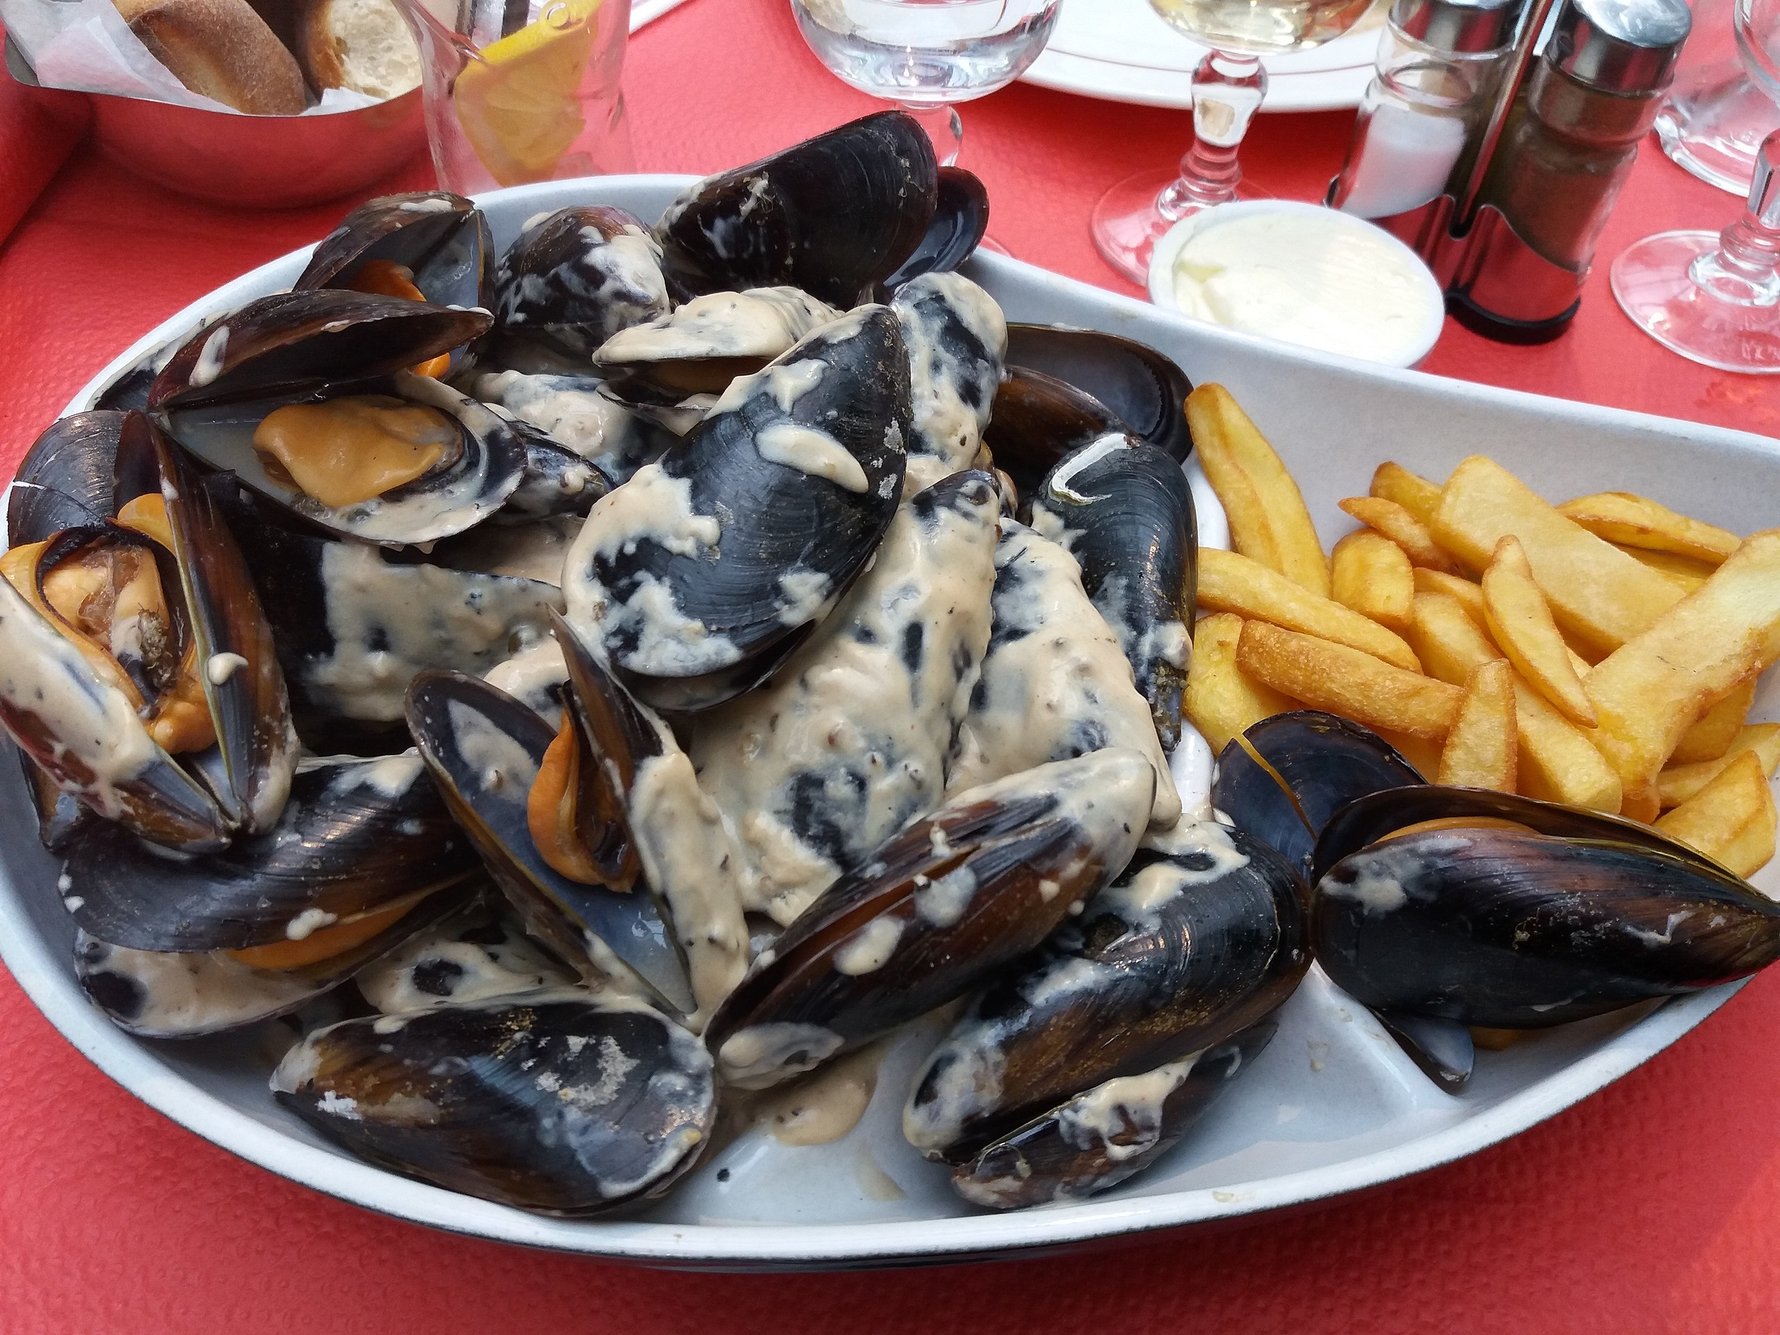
[(1654, 1206)]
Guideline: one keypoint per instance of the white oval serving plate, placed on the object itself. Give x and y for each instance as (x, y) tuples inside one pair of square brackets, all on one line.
[(1330, 1107)]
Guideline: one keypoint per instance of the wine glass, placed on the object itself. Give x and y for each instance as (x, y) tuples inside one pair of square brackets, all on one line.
[(1228, 87), (928, 55), (1714, 297), (1715, 114)]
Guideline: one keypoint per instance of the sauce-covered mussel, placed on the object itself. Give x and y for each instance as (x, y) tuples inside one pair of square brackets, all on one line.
[(560, 1103), (960, 219), (955, 336), (575, 277)]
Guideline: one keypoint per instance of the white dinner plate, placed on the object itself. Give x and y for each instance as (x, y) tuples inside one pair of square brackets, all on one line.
[(1123, 51), (1331, 1106)]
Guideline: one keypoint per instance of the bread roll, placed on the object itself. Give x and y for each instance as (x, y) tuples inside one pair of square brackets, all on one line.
[(222, 49), (358, 44)]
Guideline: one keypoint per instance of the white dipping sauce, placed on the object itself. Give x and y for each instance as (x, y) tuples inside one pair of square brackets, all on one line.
[(1312, 277)]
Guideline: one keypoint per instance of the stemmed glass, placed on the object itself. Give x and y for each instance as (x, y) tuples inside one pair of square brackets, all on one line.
[(1715, 114), (1228, 87), (1714, 297), (928, 55)]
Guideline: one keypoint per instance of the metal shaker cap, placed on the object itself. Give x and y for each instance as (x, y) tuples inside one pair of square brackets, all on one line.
[(1457, 25), (1620, 46)]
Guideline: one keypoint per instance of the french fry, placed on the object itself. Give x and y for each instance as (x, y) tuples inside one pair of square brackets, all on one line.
[(1520, 622), (1402, 528), (1637, 521), (1229, 582), (1372, 575), (1220, 701), (1393, 482), (1467, 591), (1731, 820), (1480, 749), (1269, 521), (1556, 760), (1712, 733), (1682, 571), (1418, 751), (1651, 689), (1347, 681), (1680, 782), (1600, 596)]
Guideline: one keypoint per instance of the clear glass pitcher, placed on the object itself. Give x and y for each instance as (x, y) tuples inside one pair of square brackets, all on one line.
[(519, 91)]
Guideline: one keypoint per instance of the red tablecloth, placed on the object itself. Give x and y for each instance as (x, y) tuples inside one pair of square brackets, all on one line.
[(1654, 1206)]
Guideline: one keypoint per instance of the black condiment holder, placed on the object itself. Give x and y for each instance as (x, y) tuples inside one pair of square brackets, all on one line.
[(1495, 283)]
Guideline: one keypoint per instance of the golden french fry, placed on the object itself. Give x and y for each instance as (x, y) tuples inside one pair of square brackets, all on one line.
[(1521, 623), (1347, 681), (1418, 751), (1711, 735), (1600, 596), (1684, 572), (1229, 582), (1556, 760), (1468, 592), (1480, 749), (1269, 521), (1650, 690), (1371, 574), (1637, 521), (1220, 701), (1393, 482), (1731, 820), (1402, 528), (1679, 782)]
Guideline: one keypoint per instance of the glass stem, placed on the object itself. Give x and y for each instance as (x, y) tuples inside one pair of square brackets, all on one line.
[(943, 127), (1227, 90), (1745, 269)]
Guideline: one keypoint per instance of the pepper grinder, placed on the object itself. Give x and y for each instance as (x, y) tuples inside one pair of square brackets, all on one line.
[(1439, 66)]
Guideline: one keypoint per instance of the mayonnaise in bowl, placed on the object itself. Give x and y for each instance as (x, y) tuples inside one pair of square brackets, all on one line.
[(1303, 274)]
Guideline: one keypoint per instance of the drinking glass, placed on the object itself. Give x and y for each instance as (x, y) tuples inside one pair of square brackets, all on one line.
[(1228, 87), (928, 55), (1716, 113)]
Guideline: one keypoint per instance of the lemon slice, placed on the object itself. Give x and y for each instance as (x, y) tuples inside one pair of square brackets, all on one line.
[(517, 101)]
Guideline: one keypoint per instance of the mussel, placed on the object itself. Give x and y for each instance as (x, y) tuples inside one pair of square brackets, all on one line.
[(575, 277)]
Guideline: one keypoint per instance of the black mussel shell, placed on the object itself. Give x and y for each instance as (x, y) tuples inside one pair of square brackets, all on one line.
[(960, 218), (65, 478), (1125, 512), (834, 215), (1327, 761), (572, 411), (355, 837), (1141, 387), (1105, 1135), (932, 912), (293, 342), (1183, 951), (1037, 421), (1518, 914), (704, 572), (954, 334), (476, 954), (567, 1106), (441, 238), (556, 480), (575, 277), (483, 749)]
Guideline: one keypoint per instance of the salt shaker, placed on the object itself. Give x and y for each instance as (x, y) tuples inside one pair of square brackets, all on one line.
[(1439, 62), (1573, 136)]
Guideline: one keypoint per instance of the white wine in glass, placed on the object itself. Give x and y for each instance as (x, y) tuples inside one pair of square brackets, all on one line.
[(1228, 87)]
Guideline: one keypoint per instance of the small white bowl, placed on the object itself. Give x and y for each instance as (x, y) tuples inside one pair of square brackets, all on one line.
[(1429, 319)]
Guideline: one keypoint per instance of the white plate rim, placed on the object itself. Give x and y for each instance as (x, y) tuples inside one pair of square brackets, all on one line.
[(46, 980)]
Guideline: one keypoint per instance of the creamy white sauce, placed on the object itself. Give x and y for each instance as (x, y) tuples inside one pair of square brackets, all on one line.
[(210, 358), (441, 968), (824, 1106), (187, 994), (574, 414), (810, 451), (218, 668), (956, 338), (759, 322), (868, 949), (763, 1054), (497, 757), (531, 676)]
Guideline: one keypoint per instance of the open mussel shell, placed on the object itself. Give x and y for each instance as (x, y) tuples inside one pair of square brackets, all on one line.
[(475, 954), (574, 278), (834, 215), (563, 1104), (1502, 911), (704, 571), (932, 912), (484, 749), (1325, 761), (554, 481), (960, 218), (1124, 510), (65, 478), (1143, 388), (1183, 951), (357, 838), (159, 994), (293, 342), (1104, 1135), (442, 240)]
